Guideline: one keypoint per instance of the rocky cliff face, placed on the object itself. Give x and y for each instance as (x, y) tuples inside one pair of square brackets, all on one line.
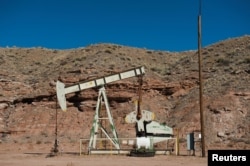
[(171, 90)]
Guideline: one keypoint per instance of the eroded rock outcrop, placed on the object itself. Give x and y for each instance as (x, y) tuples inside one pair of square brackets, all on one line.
[(28, 103)]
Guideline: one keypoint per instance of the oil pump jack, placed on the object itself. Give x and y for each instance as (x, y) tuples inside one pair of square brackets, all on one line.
[(110, 133), (148, 131)]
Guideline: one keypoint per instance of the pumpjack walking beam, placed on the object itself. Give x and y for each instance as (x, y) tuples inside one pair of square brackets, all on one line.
[(61, 90)]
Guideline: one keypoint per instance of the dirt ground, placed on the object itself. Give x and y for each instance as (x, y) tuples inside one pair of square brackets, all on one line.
[(11, 159), (10, 155)]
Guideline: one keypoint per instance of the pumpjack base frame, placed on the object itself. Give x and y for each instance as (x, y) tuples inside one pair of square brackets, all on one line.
[(142, 153)]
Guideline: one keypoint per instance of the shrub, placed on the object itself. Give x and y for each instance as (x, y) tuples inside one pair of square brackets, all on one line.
[(38, 142), (108, 51), (155, 69), (210, 49), (223, 62), (247, 60), (204, 53)]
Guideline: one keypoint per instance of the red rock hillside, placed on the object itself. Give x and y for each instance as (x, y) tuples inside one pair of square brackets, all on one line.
[(170, 90)]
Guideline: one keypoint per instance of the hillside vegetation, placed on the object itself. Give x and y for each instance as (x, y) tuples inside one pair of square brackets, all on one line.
[(170, 89)]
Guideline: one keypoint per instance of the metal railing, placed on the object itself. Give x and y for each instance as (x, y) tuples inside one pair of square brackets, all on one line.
[(104, 146)]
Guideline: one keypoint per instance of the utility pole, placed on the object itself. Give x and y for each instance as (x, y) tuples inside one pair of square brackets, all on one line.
[(203, 154)]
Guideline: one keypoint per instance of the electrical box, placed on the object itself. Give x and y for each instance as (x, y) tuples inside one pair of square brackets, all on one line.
[(190, 141)]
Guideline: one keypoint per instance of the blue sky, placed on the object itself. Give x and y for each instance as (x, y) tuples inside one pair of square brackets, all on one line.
[(169, 25)]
